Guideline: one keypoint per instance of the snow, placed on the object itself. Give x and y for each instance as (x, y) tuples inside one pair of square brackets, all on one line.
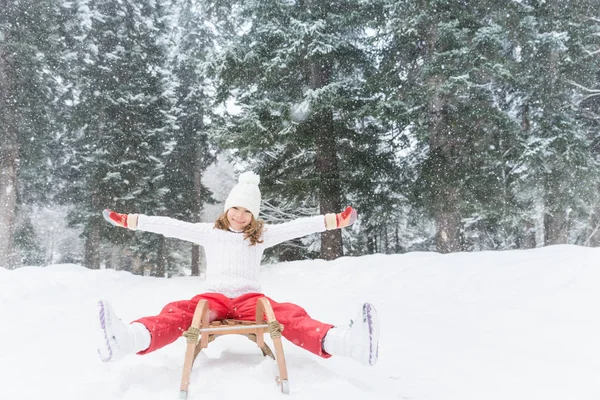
[(487, 325)]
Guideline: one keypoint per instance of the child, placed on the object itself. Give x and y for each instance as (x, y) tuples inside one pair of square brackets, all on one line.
[(234, 246)]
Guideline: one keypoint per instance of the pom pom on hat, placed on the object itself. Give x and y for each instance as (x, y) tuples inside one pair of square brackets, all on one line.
[(249, 177), (245, 194)]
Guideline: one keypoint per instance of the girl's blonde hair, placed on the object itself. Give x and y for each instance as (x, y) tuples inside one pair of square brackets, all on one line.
[(253, 231)]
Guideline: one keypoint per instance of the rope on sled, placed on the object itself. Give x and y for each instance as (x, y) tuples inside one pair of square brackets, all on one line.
[(275, 329), (192, 335)]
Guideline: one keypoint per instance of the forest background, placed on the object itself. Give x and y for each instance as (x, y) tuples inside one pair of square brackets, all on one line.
[(450, 125)]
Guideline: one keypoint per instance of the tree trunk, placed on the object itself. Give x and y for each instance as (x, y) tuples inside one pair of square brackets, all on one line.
[(161, 259), (327, 167), (197, 252), (8, 198), (195, 260), (555, 216), (448, 238), (556, 227), (92, 237), (9, 156), (446, 195), (593, 238), (329, 192), (92, 245), (371, 241), (526, 240)]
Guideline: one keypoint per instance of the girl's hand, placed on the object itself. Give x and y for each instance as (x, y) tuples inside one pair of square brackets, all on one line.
[(123, 220), (341, 220)]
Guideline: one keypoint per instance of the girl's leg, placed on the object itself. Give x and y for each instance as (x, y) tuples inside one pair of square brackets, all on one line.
[(175, 318), (300, 328)]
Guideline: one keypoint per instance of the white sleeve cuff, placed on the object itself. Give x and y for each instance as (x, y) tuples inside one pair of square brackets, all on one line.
[(132, 221), (330, 221)]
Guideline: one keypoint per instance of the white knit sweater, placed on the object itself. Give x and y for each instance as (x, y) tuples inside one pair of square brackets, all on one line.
[(232, 264)]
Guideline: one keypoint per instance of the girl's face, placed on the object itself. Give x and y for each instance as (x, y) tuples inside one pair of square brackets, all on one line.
[(239, 218)]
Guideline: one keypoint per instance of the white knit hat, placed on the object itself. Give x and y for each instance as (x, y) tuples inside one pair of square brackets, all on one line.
[(245, 194)]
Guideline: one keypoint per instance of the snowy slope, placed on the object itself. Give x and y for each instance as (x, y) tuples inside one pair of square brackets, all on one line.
[(482, 326)]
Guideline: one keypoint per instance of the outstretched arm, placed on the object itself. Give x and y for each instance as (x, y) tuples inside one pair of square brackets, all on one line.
[(191, 232), (275, 234)]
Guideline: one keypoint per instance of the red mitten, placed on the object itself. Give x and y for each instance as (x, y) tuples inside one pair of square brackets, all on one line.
[(341, 220), (346, 217), (117, 219)]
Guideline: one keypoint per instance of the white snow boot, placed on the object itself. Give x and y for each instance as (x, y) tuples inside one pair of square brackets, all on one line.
[(118, 339), (359, 340)]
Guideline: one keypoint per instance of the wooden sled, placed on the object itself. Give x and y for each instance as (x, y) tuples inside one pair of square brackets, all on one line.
[(202, 332)]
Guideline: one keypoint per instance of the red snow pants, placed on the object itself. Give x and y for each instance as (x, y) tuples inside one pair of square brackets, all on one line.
[(175, 318)]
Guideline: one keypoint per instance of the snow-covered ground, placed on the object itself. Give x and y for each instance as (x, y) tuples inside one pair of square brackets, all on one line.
[(491, 325)]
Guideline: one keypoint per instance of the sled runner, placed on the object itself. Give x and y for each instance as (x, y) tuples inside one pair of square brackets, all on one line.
[(202, 332)]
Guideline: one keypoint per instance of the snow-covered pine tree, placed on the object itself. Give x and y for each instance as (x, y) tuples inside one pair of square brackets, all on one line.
[(9, 151), (588, 101), (52, 26), (559, 172), (192, 152), (29, 86), (441, 68), (297, 70), (121, 123)]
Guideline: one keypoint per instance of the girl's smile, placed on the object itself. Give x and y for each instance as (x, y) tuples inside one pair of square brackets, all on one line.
[(239, 218)]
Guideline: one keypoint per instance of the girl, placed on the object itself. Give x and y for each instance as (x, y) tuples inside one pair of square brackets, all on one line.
[(234, 246)]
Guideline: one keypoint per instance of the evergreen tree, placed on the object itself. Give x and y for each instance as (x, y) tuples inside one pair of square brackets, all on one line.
[(53, 25), (588, 101), (192, 152), (556, 137), (121, 123), (29, 49), (298, 73), (9, 151), (442, 65)]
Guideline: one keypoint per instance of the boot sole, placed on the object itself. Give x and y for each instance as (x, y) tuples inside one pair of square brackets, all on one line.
[(104, 350), (372, 319)]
